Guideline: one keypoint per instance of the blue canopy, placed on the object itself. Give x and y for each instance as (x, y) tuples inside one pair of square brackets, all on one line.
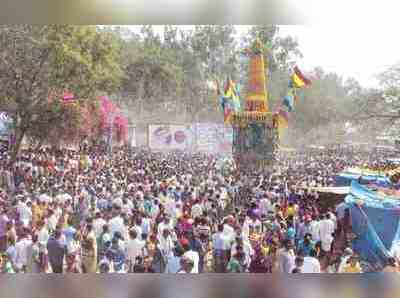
[(346, 178), (375, 222)]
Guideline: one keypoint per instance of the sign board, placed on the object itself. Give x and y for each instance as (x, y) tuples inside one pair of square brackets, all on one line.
[(214, 138), (5, 126), (170, 137), (132, 136)]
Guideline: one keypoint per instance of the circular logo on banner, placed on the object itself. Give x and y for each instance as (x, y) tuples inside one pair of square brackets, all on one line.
[(163, 134), (180, 137)]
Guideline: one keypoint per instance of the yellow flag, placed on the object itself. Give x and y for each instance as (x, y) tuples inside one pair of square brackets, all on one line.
[(297, 81)]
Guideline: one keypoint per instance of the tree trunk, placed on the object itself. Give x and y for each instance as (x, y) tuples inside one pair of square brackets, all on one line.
[(19, 136)]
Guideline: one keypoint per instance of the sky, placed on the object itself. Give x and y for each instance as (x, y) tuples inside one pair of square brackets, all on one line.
[(355, 51), (359, 50)]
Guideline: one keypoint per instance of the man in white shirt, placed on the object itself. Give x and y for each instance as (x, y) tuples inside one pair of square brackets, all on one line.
[(166, 224), (265, 205), (25, 212), (220, 245), (315, 229), (327, 228), (116, 224), (229, 231), (98, 225), (311, 263), (193, 256), (197, 209), (134, 248), (21, 250), (166, 244)]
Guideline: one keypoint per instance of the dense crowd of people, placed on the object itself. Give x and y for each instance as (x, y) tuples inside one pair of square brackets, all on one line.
[(84, 211)]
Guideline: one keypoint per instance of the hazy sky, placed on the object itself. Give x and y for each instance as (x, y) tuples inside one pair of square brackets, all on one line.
[(358, 50)]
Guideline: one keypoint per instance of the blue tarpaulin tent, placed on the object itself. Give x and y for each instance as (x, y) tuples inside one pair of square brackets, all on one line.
[(346, 178), (375, 223)]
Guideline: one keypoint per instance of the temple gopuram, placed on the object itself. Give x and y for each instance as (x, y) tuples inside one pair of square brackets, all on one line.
[(255, 132)]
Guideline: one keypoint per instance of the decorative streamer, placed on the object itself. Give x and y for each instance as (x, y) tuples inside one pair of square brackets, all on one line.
[(297, 81), (229, 99)]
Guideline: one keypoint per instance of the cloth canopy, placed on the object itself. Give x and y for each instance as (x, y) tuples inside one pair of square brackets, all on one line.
[(375, 221)]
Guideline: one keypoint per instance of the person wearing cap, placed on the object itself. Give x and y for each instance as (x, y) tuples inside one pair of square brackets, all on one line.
[(191, 255), (352, 265), (348, 252), (187, 266)]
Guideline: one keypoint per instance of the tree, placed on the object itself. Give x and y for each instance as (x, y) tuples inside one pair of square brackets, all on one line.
[(322, 109), (38, 63), (152, 73), (71, 122), (380, 107)]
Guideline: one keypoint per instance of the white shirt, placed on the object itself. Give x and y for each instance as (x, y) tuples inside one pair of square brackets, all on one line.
[(73, 247), (43, 236), (134, 249), (127, 208), (327, 228), (315, 230), (166, 245), (21, 250), (146, 225), (173, 265), (170, 206), (311, 265), (229, 232), (162, 226), (98, 224), (52, 222), (117, 202), (220, 241), (194, 256), (334, 219), (139, 232), (116, 224), (265, 206), (197, 210), (25, 214)]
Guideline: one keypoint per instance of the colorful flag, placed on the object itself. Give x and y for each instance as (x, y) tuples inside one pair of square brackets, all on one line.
[(229, 100), (298, 79)]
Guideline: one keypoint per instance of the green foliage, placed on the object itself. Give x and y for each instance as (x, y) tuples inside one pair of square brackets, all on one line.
[(38, 63), (169, 74)]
